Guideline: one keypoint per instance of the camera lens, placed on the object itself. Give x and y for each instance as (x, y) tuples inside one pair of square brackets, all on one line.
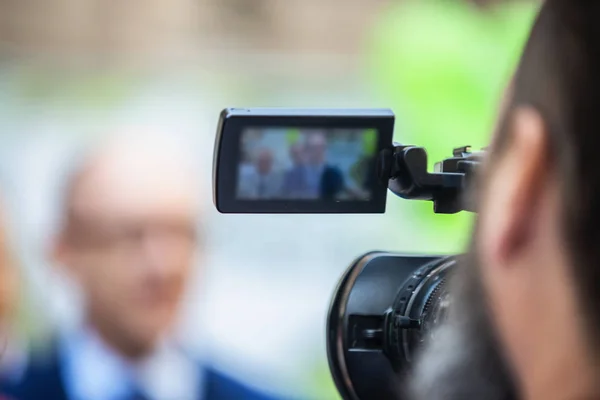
[(422, 300), (436, 310), (384, 308)]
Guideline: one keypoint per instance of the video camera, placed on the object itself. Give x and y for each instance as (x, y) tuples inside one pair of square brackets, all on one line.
[(344, 161)]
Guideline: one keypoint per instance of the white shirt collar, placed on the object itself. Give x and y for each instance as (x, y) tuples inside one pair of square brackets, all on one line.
[(94, 371)]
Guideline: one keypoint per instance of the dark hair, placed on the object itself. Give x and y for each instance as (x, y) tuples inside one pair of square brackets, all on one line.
[(559, 76)]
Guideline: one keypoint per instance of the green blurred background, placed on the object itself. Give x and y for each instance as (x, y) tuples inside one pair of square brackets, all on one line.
[(69, 70)]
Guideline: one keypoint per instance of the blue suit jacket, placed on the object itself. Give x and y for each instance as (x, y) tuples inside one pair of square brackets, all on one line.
[(43, 380), (294, 182), (331, 182)]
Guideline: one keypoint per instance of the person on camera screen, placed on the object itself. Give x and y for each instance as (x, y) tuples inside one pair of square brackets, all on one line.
[(525, 321)]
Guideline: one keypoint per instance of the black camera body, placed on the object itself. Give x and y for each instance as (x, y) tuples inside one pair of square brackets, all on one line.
[(386, 304)]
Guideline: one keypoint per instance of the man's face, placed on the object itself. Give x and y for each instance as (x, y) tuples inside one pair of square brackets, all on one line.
[(316, 147), (264, 162), (297, 154), (130, 243)]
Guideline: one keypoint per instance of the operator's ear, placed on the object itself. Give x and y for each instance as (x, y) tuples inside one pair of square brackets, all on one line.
[(517, 185)]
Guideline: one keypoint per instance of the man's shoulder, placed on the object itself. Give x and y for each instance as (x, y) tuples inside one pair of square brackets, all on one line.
[(333, 173), (220, 385), (332, 169), (41, 379), (248, 177)]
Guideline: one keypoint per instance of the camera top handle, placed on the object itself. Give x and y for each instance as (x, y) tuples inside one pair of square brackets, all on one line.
[(405, 170)]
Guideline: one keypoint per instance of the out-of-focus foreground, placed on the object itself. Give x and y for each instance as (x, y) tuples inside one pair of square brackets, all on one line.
[(71, 71)]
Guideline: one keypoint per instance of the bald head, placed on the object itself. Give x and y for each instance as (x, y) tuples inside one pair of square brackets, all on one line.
[(133, 173), (129, 236)]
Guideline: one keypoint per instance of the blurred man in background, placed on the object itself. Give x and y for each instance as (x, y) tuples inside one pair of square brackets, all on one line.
[(295, 185), (128, 239), (263, 182), (324, 181), (524, 321)]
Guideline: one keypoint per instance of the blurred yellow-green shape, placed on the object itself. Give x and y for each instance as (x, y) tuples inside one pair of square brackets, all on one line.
[(442, 67), (292, 135), (369, 141)]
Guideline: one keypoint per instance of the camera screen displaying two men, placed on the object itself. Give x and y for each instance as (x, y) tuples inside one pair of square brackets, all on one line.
[(306, 164)]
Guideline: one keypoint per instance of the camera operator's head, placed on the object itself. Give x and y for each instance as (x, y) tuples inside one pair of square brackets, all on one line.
[(526, 321), (128, 238)]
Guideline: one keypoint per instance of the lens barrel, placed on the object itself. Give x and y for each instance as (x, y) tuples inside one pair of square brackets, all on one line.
[(383, 309), (419, 299)]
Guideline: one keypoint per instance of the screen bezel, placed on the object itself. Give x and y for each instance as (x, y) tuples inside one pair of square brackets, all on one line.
[(227, 155)]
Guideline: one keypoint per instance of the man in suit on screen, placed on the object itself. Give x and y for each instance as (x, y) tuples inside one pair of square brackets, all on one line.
[(325, 181), (262, 181)]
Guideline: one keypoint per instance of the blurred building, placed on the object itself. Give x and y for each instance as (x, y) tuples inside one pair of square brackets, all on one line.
[(95, 29), (106, 30), (290, 26)]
